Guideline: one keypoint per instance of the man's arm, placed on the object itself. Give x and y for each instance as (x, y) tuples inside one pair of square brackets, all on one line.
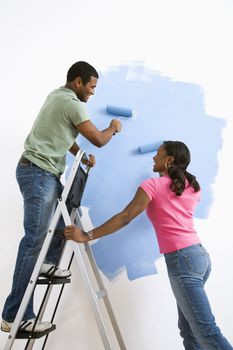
[(74, 149), (89, 162), (96, 137)]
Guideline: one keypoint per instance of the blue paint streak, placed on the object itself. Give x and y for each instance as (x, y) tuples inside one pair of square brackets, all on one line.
[(165, 109)]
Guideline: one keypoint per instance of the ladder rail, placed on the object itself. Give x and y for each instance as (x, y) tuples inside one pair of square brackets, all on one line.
[(77, 248), (32, 283), (91, 295), (101, 287), (105, 297), (68, 220), (82, 251)]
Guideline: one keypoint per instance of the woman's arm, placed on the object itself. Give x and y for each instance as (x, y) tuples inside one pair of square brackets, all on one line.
[(133, 209)]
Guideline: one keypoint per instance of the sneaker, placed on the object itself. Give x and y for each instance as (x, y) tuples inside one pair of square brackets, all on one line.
[(49, 270), (27, 326)]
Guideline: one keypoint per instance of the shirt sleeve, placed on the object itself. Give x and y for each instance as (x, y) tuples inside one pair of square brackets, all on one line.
[(76, 112), (149, 187)]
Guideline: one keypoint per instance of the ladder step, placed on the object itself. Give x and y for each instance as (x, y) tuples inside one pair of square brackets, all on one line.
[(34, 335), (53, 280)]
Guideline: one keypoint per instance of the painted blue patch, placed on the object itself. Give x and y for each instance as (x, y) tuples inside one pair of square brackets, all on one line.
[(166, 110)]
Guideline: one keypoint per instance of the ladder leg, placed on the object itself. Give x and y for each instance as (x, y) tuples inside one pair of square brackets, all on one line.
[(105, 297), (68, 219), (81, 252), (92, 297), (41, 258), (32, 282)]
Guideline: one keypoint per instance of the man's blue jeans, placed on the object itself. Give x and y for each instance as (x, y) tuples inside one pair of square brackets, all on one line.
[(188, 270), (40, 190)]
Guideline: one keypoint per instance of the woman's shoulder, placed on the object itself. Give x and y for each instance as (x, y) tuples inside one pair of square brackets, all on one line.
[(156, 181), (163, 179)]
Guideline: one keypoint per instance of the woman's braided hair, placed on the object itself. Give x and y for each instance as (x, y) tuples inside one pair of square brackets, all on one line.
[(177, 170)]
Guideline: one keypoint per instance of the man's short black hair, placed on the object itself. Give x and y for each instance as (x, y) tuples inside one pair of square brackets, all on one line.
[(83, 70)]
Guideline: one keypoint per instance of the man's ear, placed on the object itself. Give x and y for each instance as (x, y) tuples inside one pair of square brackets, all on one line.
[(78, 81)]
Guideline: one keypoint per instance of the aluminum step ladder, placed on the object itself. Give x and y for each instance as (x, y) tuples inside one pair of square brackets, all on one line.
[(82, 253)]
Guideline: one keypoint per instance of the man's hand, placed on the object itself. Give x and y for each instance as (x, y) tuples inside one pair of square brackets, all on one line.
[(115, 125), (74, 233), (98, 138), (89, 162)]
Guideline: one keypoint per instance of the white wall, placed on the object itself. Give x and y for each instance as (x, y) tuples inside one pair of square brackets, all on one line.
[(185, 40)]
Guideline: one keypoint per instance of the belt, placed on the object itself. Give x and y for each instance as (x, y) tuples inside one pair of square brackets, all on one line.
[(24, 160)]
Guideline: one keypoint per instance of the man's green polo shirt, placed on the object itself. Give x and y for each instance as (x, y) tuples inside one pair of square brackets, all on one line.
[(54, 132)]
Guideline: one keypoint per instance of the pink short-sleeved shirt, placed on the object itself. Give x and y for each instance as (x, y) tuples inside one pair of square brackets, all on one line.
[(171, 215)]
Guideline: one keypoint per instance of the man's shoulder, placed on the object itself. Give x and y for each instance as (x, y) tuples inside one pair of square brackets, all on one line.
[(64, 97), (63, 92), (66, 102)]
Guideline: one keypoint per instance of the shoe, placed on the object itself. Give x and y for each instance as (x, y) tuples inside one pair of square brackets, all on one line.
[(27, 326), (49, 270)]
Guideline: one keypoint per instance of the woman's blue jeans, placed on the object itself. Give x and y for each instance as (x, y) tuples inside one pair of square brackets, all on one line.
[(40, 190), (188, 270)]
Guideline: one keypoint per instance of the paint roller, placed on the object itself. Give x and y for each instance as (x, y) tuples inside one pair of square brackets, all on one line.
[(129, 113), (151, 147), (120, 112)]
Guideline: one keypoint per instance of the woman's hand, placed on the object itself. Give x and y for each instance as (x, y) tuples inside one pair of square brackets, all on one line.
[(74, 233)]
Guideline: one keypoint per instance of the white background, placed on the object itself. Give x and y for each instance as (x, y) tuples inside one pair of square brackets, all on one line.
[(186, 40)]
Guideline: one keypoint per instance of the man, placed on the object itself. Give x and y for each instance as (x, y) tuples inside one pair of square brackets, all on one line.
[(62, 117)]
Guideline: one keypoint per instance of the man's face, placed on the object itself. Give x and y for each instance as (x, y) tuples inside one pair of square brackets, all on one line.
[(85, 91)]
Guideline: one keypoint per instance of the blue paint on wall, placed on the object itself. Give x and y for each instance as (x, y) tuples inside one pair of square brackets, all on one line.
[(166, 109)]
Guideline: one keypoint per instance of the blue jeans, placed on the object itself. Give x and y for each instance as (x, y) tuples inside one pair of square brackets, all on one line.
[(188, 270), (40, 190)]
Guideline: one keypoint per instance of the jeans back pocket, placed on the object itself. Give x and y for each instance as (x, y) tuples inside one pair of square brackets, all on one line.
[(197, 262)]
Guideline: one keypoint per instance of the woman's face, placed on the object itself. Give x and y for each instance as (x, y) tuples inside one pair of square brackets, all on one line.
[(160, 159)]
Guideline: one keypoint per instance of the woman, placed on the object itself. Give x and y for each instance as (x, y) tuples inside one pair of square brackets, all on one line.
[(170, 201)]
